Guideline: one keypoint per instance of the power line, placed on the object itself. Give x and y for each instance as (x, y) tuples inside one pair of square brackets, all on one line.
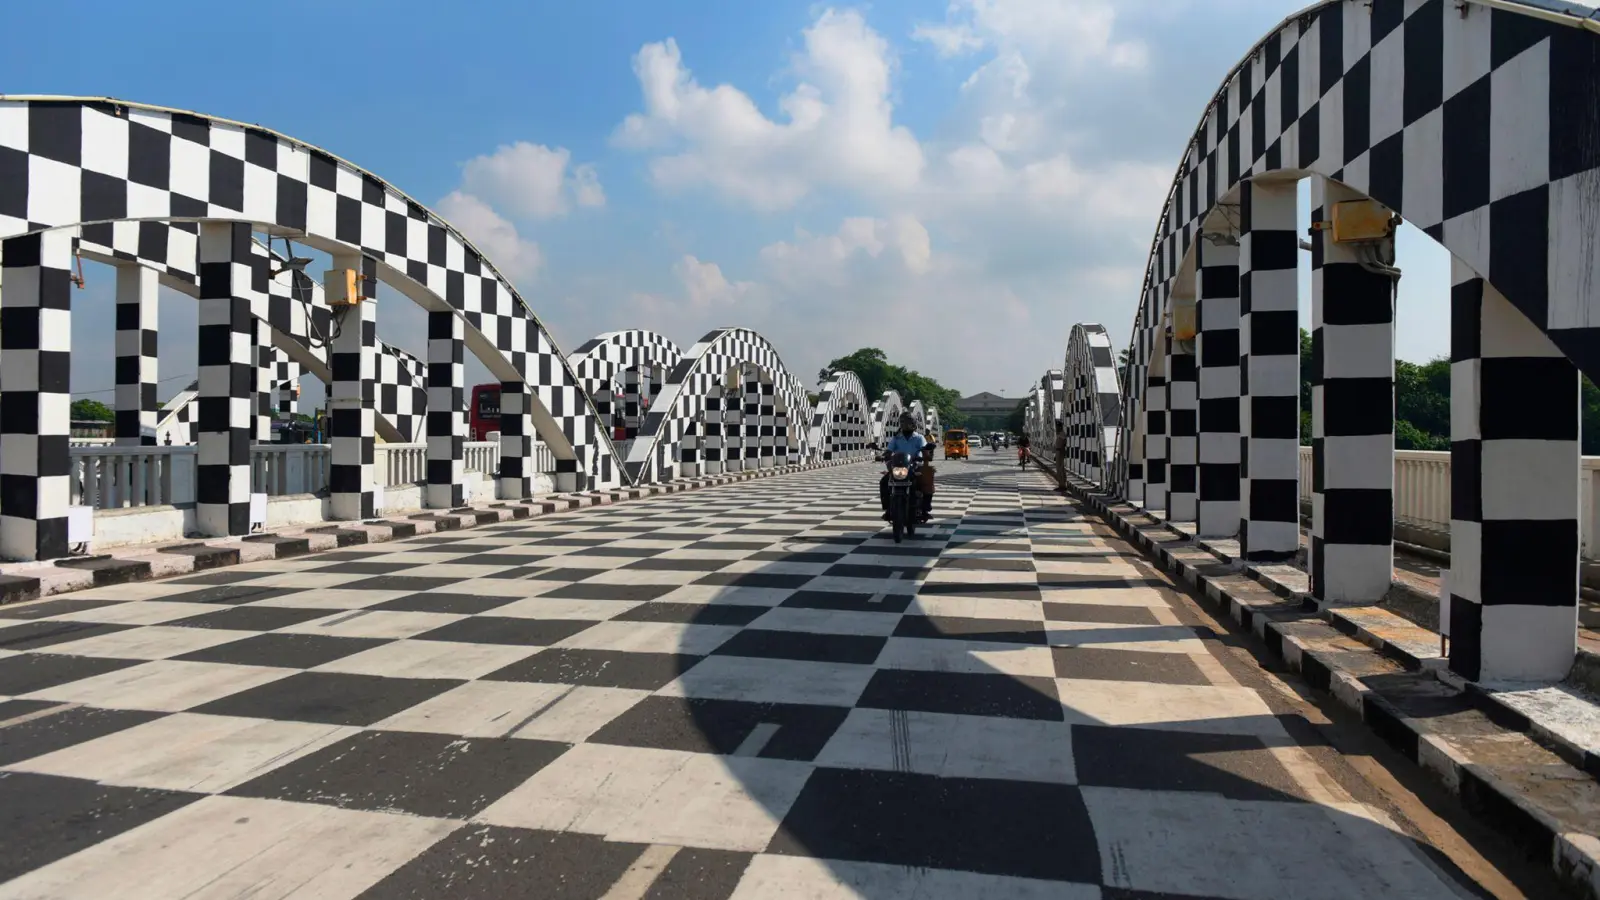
[(112, 390)]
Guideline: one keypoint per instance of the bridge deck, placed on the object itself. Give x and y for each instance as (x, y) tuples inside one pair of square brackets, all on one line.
[(744, 692)]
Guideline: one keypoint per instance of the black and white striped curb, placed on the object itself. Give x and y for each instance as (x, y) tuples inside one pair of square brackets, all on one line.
[(1530, 791)]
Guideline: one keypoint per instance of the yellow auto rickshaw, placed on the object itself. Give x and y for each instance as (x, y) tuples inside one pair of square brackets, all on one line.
[(955, 444)]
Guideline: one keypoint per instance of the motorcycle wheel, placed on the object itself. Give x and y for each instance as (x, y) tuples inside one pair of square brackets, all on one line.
[(897, 518)]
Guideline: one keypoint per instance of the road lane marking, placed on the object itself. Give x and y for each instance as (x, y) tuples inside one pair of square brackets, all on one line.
[(878, 597), (637, 881), (756, 740)]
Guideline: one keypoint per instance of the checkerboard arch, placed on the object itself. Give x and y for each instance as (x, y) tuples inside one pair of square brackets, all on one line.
[(886, 415), (658, 451), (1302, 101), (94, 160), (1092, 412), (839, 426)]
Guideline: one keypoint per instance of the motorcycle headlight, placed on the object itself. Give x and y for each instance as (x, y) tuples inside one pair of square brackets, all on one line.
[(899, 472)]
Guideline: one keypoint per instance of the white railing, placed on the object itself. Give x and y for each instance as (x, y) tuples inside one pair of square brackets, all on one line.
[(106, 476), (109, 477), (76, 441), (397, 465), (482, 456), (1422, 492), (281, 469)]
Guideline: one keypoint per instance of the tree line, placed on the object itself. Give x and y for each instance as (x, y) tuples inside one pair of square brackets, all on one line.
[(877, 375)]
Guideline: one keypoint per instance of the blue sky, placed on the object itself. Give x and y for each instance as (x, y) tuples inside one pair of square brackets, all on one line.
[(965, 181)]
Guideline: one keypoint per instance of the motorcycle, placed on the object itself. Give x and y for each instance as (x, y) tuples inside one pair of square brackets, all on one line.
[(1022, 457), (904, 500)]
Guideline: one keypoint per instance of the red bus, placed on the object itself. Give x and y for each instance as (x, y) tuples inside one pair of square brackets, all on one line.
[(484, 413)]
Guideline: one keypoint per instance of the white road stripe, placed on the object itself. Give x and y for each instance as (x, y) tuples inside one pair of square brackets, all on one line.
[(878, 597), (757, 740), (636, 882)]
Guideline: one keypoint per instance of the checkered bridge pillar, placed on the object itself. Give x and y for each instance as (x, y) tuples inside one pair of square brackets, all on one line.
[(783, 440), (1514, 470), (1269, 364), (751, 410), (689, 451), (767, 423), (35, 394), (137, 372), (1217, 352), (711, 424), (1183, 436), (733, 428), (352, 417), (447, 411), (286, 378), (265, 369), (227, 361), (1352, 416), (1155, 431), (630, 404), (516, 441)]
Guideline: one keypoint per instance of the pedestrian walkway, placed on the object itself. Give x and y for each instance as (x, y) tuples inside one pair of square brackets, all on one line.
[(747, 692)]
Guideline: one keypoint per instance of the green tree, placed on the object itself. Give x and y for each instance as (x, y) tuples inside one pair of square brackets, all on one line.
[(92, 411), (877, 375)]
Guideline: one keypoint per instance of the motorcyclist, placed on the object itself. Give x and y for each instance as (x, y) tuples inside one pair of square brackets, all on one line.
[(1023, 445), (906, 441)]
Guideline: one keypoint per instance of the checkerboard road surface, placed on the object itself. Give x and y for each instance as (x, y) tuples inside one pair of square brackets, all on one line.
[(742, 692)]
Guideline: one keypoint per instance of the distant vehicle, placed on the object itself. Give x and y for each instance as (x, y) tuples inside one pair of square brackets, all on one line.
[(485, 411), (955, 444)]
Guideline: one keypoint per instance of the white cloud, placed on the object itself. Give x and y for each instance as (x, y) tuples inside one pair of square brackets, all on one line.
[(515, 257), (1077, 32), (826, 258), (948, 40), (706, 286), (837, 131), (530, 181)]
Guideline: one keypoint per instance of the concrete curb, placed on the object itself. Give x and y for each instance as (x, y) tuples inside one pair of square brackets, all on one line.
[(1528, 791), (20, 582)]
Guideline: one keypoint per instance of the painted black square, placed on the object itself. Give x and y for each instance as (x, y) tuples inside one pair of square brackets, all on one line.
[(445, 602), (1015, 828), (492, 862), (46, 633), (234, 594), (1009, 631), (1099, 613), (228, 576), (365, 567), (334, 698), (415, 583), (598, 668), (997, 590), (46, 608), (833, 648), (70, 726), (253, 618), (423, 774), (288, 651), (1236, 766), (46, 818), (754, 579), (670, 564), (593, 591), (28, 672), (887, 603), (722, 726), (506, 630), (1004, 696), (1108, 664)]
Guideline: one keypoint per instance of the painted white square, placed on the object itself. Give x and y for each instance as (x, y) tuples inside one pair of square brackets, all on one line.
[(952, 746), (708, 594), (150, 642), (656, 797), (771, 681), (826, 621), (140, 612), (1175, 707), (955, 607), (831, 879), (188, 752), (966, 657), (551, 608), (374, 623), (239, 847), (429, 659), (643, 576), (165, 685), (555, 712)]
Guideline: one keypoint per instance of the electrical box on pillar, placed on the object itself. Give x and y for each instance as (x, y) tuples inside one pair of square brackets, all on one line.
[(342, 287), (1361, 220), (1183, 320)]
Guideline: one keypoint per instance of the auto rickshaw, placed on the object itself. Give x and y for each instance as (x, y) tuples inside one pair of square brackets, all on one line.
[(955, 444)]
